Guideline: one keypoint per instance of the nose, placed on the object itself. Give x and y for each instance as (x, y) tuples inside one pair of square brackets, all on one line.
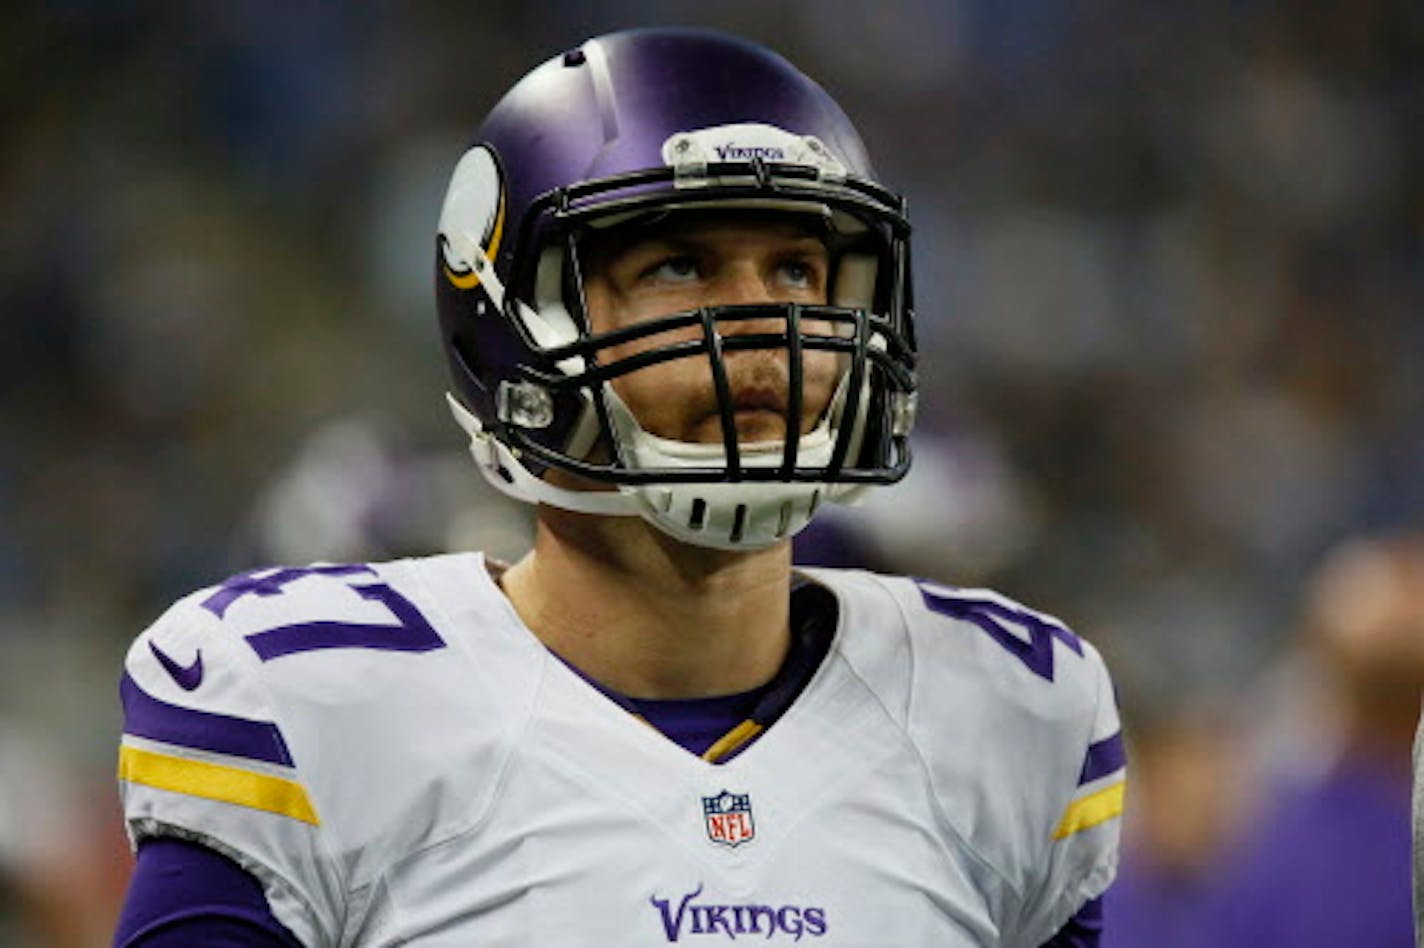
[(745, 285)]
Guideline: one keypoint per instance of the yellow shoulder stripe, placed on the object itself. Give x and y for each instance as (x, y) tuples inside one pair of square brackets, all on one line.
[(199, 778), (1093, 809)]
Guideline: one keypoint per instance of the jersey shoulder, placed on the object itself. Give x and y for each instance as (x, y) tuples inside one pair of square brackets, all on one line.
[(296, 718), (1015, 718), (917, 636), (322, 639)]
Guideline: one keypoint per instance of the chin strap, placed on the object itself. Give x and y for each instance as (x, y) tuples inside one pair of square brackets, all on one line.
[(739, 517), (509, 475)]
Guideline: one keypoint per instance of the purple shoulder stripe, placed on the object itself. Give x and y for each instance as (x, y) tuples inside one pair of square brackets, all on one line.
[(1104, 757), (147, 716)]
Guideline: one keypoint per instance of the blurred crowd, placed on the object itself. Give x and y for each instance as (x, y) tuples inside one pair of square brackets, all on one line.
[(1169, 267)]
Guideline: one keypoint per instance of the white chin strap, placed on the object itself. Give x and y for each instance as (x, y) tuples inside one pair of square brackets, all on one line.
[(508, 474), (732, 516)]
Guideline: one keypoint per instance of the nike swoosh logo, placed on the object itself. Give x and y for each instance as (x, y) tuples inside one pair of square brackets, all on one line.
[(188, 677)]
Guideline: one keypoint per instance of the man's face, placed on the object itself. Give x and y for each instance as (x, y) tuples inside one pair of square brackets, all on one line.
[(637, 273)]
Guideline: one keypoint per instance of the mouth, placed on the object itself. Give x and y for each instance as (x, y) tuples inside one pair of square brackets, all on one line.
[(759, 414), (759, 400)]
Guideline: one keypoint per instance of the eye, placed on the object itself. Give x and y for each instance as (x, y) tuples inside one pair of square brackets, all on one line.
[(801, 273), (797, 273), (680, 268)]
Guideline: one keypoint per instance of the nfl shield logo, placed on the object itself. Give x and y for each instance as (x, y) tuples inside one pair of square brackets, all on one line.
[(729, 818)]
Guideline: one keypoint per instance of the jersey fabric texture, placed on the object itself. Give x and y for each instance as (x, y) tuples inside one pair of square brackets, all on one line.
[(397, 758), (182, 893)]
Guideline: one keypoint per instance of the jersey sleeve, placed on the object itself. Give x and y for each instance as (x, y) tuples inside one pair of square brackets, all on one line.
[(186, 894), (1081, 855), (203, 757), (320, 725), (1016, 718)]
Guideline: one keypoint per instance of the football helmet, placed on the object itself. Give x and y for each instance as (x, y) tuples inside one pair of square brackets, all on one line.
[(639, 125)]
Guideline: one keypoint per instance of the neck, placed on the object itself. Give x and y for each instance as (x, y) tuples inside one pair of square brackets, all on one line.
[(648, 616)]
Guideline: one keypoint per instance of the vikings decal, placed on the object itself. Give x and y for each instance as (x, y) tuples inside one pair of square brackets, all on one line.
[(473, 217)]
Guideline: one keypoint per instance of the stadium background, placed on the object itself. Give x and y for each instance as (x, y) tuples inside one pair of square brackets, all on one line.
[(1168, 269)]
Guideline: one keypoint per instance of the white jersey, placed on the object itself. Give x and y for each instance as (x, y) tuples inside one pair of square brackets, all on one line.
[(399, 760)]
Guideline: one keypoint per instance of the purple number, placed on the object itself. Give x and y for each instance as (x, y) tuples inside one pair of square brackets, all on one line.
[(411, 632), (992, 617)]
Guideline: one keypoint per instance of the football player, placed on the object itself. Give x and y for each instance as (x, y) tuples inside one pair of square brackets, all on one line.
[(676, 305)]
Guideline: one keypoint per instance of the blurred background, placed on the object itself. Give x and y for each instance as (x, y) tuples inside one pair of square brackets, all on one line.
[(1169, 262)]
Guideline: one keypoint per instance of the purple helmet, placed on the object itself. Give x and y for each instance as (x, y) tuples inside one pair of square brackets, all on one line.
[(653, 122)]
